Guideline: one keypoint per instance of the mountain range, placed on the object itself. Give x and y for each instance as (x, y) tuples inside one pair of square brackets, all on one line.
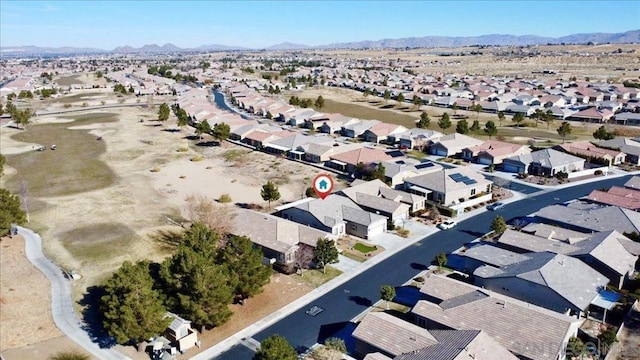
[(632, 36)]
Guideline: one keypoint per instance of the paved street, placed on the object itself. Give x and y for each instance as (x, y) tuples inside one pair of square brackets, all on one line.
[(355, 295)]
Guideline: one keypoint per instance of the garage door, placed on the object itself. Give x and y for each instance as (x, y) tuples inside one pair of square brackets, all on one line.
[(511, 168), (375, 230), (484, 161)]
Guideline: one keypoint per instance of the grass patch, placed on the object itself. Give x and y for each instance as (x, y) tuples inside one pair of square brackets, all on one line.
[(77, 97), (74, 167), (416, 154), (363, 112), (316, 277), (97, 242), (353, 256), (224, 198), (68, 80), (365, 248), (234, 155)]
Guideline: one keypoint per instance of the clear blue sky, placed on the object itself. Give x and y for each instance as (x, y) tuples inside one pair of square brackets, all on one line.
[(255, 24)]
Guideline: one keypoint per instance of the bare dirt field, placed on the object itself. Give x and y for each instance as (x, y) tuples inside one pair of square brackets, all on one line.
[(96, 203)]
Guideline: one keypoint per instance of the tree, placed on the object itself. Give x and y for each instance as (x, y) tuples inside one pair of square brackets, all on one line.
[(477, 108), (475, 127), (164, 112), (462, 127), (518, 118), (319, 103), (454, 107), (22, 117), (132, 309), (202, 209), (416, 101), (366, 93), (270, 192), (548, 117), (575, 346), (424, 121), (203, 128), (538, 115), (197, 287), (304, 257), (400, 98), (221, 132), (500, 117), (276, 347), (608, 337), (326, 253), (387, 293), (386, 95), (441, 260), (564, 130), (603, 134), (498, 225), (245, 263), (10, 211), (490, 129), (444, 122)]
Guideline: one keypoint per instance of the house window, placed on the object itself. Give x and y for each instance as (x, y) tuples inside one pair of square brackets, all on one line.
[(473, 192)]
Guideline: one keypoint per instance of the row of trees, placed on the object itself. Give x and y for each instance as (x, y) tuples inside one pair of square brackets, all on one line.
[(10, 210), (307, 103), (22, 117), (207, 272)]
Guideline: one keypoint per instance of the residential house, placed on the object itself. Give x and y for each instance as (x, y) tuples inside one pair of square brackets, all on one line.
[(452, 304), (586, 217), (617, 196), (415, 138), (380, 132), (449, 186), (483, 254), (554, 281), (293, 146), (381, 336), (396, 171), (348, 161), (357, 128), (592, 153), (180, 333), (278, 238), (452, 144), (336, 215), (319, 153), (545, 162), (627, 118), (630, 147), (493, 152), (592, 115), (367, 195)]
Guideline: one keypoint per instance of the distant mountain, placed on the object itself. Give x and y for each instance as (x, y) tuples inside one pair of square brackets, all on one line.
[(288, 46), (216, 47), (492, 39), (632, 36)]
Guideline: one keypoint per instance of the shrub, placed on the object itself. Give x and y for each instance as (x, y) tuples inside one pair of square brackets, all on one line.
[(182, 177), (419, 279), (197, 157), (85, 104), (597, 172), (403, 232), (69, 355), (155, 169), (66, 106), (183, 149), (562, 175), (224, 198)]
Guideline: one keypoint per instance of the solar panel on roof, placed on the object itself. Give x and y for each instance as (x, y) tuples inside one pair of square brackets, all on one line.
[(470, 182), (424, 165)]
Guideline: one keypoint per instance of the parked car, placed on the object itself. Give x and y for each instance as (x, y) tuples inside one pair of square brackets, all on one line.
[(496, 206), (449, 224), (41, 148), (53, 147)]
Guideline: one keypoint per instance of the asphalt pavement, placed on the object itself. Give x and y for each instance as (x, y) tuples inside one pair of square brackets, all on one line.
[(304, 328)]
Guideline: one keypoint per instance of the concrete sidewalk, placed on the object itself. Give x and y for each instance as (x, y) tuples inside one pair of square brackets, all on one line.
[(62, 310)]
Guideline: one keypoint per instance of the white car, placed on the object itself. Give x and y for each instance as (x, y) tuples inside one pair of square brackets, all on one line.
[(447, 225), (496, 206)]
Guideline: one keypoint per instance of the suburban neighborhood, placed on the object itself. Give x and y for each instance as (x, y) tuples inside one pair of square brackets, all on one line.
[(371, 203)]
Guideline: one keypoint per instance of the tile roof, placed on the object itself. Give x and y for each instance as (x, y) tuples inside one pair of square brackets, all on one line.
[(362, 155), (442, 181), (493, 255), (601, 218), (391, 334), (501, 317), (570, 278)]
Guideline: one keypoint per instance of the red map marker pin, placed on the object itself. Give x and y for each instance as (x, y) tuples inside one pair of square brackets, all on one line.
[(323, 185)]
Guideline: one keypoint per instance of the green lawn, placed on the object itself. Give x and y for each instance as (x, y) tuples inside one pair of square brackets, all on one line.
[(73, 168), (365, 248), (363, 112), (68, 99)]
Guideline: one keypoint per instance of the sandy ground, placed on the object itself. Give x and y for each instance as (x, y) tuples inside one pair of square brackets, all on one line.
[(139, 201)]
